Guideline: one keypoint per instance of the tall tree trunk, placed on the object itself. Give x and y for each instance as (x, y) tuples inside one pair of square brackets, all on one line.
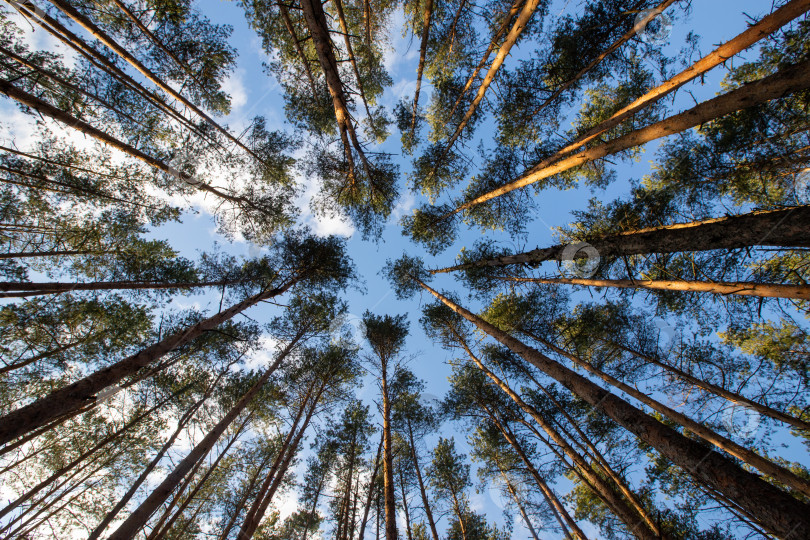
[(775, 510), (371, 490), (129, 528), (744, 454), (765, 27), (57, 114), (427, 13), (603, 489), (741, 288), (523, 513), (164, 530), (111, 44), (388, 457), (786, 81), (244, 498), (405, 506), (492, 44), (511, 38), (60, 32), (56, 287), (787, 227), (256, 513), (422, 490), (84, 455), (181, 424), (350, 51), (84, 391), (288, 24), (639, 26), (718, 390), (319, 30)]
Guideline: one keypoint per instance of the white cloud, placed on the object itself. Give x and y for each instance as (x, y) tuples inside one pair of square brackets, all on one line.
[(234, 86)]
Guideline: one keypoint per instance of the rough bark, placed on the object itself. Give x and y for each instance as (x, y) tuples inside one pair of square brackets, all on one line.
[(775, 510), (422, 490), (787, 227), (720, 391), (749, 457), (388, 457), (786, 81), (741, 288), (84, 391)]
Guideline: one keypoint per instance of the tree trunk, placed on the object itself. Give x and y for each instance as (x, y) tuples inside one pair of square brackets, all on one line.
[(84, 391), (276, 474), (285, 16), (55, 288), (160, 534), (720, 391), (522, 510), (511, 38), (371, 485), (765, 27), (83, 456), (741, 288), (47, 109), (744, 454), (776, 511), (426, 16), (181, 424), (422, 490), (787, 227), (634, 522), (388, 458), (640, 25), (405, 506), (66, 253), (319, 30), (786, 81), (129, 528), (243, 499), (102, 36), (350, 52)]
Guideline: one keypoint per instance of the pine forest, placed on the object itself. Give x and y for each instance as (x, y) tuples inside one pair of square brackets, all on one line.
[(404, 269)]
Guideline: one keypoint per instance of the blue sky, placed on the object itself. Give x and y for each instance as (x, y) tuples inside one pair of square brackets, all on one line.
[(254, 92)]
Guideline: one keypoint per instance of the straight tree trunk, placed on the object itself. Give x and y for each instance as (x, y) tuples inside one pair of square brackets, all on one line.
[(160, 534), (765, 27), (492, 44), (718, 390), (422, 490), (111, 44), (749, 457), (787, 228), (388, 458), (84, 391), (129, 528), (181, 424), (786, 81), (511, 38), (350, 52), (405, 506), (371, 491), (427, 13), (640, 25), (778, 512), (741, 288), (83, 456), (243, 499), (288, 24), (634, 521), (263, 500), (522, 510), (319, 30), (57, 287), (47, 109)]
